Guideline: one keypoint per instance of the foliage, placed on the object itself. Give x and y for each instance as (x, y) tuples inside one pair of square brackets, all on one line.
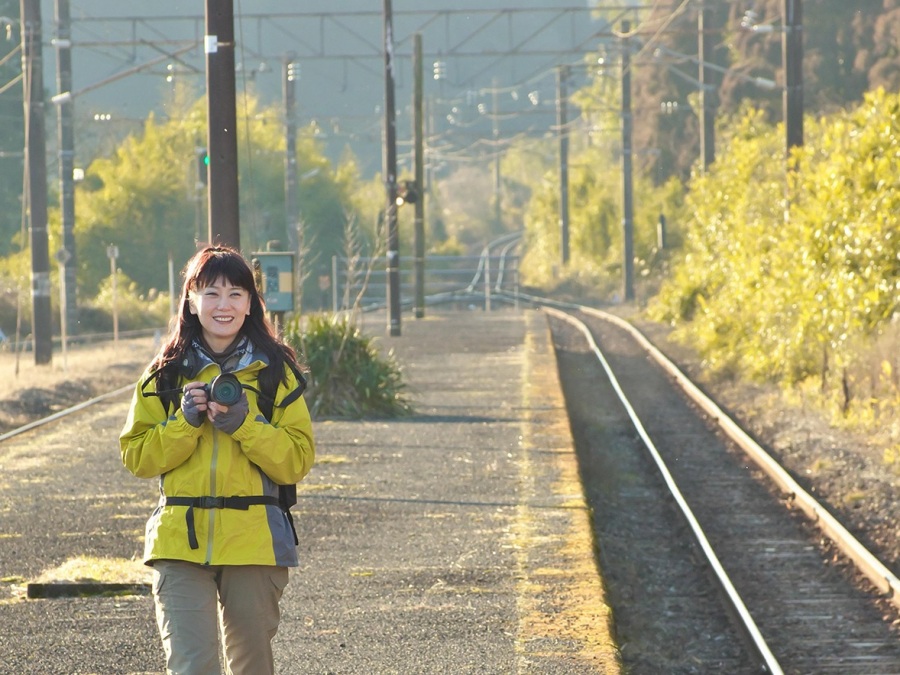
[(787, 291), (133, 308), (848, 49), (348, 377), (15, 293), (468, 199), (145, 198), (142, 206), (595, 225)]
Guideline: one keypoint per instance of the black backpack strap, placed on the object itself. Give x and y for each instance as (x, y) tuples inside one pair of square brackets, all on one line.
[(241, 503), (287, 494)]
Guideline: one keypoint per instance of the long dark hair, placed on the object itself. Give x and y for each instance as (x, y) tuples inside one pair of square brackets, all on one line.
[(205, 268)]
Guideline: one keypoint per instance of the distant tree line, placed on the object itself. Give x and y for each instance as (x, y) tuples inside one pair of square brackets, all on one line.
[(849, 48)]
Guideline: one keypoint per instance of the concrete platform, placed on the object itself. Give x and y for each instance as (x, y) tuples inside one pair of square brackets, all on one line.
[(456, 540)]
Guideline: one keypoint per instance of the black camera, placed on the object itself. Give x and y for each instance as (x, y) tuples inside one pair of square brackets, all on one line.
[(225, 389)]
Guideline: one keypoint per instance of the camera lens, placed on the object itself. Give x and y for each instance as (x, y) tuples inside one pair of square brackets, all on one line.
[(225, 389)]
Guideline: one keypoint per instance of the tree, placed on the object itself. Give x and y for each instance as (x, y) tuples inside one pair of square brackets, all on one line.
[(849, 48), (784, 299), (145, 198), (139, 201)]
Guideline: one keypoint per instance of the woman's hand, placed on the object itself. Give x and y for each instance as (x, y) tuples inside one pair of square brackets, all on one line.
[(228, 418), (194, 403)]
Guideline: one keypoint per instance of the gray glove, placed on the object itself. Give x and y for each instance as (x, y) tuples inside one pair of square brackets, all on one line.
[(192, 414), (231, 420)]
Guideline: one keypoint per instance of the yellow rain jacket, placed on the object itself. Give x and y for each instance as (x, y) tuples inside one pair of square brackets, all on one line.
[(205, 462)]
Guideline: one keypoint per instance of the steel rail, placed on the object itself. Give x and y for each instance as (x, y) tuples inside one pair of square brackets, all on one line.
[(747, 623), (867, 563), (63, 413), (864, 560)]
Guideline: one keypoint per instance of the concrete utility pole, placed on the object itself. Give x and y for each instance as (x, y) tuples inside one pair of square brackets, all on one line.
[(66, 139), (36, 164), (419, 161), (224, 214), (707, 92), (627, 187), (792, 54), (563, 134), (390, 176)]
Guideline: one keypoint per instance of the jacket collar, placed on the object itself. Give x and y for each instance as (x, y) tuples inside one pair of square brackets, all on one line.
[(238, 357)]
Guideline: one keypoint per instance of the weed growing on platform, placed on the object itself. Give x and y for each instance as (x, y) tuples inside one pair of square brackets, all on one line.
[(348, 376)]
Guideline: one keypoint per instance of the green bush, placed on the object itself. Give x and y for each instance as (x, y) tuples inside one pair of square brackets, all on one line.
[(348, 377), (135, 309), (792, 275)]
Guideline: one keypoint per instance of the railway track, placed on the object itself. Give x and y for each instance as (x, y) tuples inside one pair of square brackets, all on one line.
[(710, 562), (799, 605), (717, 560)]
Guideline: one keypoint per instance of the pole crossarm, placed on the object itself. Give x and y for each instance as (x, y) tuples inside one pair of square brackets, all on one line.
[(345, 35), (761, 82), (66, 96)]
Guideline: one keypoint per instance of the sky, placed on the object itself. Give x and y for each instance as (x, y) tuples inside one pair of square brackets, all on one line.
[(498, 57)]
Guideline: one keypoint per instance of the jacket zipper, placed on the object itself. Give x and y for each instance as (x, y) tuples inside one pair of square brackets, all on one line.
[(212, 493)]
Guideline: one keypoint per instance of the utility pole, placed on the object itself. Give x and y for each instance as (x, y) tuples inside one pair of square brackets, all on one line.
[(292, 224), (792, 54), (36, 163), (563, 134), (627, 187), (390, 176), (419, 161), (707, 90), (66, 140), (495, 94), (224, 215)]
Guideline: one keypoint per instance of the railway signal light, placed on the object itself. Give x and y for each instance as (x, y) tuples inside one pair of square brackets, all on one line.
[(202, 166), (407, 193)]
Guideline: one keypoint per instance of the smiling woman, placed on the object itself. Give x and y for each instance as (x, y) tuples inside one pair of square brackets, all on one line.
[(221, 308), (221, 540)]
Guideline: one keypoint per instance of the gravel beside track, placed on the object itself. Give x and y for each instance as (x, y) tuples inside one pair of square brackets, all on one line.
[(802, 598)]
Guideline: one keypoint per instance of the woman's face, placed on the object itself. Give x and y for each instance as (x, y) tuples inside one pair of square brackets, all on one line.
[(222, 309)]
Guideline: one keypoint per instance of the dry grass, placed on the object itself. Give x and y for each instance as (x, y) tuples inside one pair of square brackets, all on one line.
[(105, 362)]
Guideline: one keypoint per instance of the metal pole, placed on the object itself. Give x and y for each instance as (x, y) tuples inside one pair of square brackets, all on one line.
[(390, 176), (112, 252), (334, 284), (792, 55), (290, 154), (496, 136), (707, 91), (563, 134), (66, 140), (419, 160), (627, 188), (172, 290), (224, 215), (63, 332), (36, 163), (487, 279)]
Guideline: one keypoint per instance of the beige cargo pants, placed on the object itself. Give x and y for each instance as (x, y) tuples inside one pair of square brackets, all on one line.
[(195, 603)]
